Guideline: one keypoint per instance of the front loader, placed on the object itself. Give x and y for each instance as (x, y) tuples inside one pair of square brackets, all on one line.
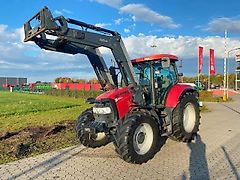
[(142, 101)]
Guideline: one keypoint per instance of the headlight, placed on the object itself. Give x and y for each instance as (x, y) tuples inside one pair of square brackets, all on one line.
[(102, 110)]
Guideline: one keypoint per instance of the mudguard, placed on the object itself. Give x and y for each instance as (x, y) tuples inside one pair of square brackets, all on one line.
[(175, 94)]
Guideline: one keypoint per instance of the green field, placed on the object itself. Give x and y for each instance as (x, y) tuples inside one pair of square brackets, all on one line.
[(18, 110), (28, 123)]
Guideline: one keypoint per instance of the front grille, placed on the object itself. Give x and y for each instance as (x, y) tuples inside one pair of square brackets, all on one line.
[(110, 118)]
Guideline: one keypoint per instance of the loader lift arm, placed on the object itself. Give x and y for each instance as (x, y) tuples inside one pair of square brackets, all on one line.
[(73, 41)]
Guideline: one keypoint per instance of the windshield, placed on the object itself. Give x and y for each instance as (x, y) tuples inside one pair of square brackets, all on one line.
[(142, 73)]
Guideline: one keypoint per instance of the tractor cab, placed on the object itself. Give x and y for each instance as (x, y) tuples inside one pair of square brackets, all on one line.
[(156, 75)]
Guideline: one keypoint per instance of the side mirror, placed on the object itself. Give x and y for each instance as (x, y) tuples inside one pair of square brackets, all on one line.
[(180, 65), (180, 74), (165, 62)]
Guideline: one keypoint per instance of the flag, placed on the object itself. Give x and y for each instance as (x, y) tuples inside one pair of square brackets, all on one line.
[(211, 63), (200, 59)]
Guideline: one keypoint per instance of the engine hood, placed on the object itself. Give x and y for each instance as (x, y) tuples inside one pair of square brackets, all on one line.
[(122, 98), (115, 94)]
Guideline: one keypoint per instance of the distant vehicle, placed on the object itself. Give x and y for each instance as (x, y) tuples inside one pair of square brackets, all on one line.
[(200, 85)]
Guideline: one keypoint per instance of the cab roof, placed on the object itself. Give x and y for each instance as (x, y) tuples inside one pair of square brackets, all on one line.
[(155, 57)]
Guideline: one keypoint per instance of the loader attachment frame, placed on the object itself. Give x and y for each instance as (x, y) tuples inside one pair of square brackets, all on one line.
[(85, 40)]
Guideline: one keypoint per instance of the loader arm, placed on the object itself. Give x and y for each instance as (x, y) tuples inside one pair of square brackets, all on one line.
[(85, 40)]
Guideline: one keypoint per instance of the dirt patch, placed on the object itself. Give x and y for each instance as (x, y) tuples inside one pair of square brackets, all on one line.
[(55, 129), (7, 135), (21, 143)]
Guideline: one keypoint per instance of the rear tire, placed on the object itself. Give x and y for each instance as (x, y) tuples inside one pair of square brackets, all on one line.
[(186, 118), (138, 138), (87, 139)]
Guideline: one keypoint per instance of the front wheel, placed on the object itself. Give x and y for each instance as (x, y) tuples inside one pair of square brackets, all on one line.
[(137, 138), (86, 138), (186, 118)]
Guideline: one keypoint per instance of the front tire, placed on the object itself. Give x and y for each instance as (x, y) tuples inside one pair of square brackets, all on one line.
[(86, 138), (186, 118), (137, 138)]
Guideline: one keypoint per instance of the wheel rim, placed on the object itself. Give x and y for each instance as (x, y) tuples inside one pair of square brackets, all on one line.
[(100, 136), (189, 117), (143, 138)]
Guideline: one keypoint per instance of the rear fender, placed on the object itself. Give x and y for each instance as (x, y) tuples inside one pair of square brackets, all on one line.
[(175, 94)]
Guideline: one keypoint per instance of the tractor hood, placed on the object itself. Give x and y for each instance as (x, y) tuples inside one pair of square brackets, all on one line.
[(115, 94), (122, 97)]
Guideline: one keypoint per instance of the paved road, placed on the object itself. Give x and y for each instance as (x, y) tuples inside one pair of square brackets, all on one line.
[(214, 155)]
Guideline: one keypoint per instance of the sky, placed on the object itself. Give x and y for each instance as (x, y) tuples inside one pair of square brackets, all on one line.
[(148, 27)]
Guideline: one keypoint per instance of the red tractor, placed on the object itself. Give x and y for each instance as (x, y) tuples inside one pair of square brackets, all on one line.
[(142, 103)]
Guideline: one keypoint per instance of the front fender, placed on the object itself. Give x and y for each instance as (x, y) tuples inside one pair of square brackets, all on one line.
[(175, 94)]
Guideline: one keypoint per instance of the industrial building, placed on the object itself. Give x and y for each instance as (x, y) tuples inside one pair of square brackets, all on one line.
[(13, 81)]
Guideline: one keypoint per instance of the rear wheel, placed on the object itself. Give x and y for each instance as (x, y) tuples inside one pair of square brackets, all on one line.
[(137, 138), (186, 118), (86, 138)]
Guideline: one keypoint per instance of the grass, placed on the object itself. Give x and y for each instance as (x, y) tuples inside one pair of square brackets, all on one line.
[(29, 114), (19, 110), (204, 109), (75, 93), (207, 96)]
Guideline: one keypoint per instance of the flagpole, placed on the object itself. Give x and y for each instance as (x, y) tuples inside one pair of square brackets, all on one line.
[(225, 69), (198, 68), (200, 62), (209, 73)]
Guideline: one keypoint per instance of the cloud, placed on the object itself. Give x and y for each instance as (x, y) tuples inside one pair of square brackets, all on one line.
[(111, 3), (63, 11), (182, 46), (126, 30), (103, 24), (134, 18), (58, 12), (119, 21), (220, 24), (141, 12), (67, 11), (7, 37), (185, 47)]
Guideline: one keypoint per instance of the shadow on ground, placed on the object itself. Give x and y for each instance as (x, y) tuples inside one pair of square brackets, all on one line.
[(198, 166)]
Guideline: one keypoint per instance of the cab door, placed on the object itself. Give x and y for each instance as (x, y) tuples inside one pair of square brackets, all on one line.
[(165, 78)]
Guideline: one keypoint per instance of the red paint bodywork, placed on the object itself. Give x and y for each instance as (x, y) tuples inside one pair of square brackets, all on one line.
[(122, 98), (175, 93), (155, 57)]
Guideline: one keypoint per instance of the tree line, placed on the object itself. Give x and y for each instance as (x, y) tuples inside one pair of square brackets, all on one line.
[(216, 79)]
